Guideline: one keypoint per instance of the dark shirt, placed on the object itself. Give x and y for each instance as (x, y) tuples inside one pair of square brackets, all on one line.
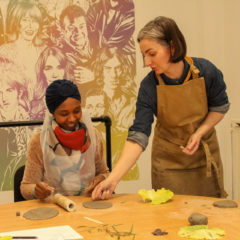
[(146, 106)]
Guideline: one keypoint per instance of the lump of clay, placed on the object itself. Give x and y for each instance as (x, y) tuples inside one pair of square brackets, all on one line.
[(198, 219), (225, 204)]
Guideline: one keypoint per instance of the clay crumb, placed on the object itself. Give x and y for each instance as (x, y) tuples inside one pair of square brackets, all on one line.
[(18, 214), (158, 232)]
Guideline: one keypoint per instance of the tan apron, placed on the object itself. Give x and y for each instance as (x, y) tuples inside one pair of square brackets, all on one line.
[(181, 110)]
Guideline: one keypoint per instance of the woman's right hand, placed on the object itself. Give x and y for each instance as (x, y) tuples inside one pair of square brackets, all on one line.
[(128, 158), (43, 190), (103, 190)]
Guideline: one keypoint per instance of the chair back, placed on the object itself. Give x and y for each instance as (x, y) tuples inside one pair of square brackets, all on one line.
[(17, 182)]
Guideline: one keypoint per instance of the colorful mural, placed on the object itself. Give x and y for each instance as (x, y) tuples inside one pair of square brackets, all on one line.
[(89, 42)]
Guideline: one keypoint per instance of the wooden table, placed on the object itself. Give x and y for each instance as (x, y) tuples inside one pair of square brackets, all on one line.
[(127, 210)]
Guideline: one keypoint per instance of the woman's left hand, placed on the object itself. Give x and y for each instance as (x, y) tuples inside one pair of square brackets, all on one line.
[(192, 145), (92, 184)]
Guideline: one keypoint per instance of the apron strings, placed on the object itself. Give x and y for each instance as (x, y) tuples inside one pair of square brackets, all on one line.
[(209, 158), (210, 162)]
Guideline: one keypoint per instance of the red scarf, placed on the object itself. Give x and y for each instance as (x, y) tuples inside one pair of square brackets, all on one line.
[(76, 140)]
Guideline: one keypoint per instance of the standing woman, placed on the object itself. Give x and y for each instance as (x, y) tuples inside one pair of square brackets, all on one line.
[(188, 97), (67, 155)]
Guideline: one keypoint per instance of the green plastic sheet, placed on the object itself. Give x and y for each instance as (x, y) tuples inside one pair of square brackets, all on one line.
[(156, 197), (201, 232)]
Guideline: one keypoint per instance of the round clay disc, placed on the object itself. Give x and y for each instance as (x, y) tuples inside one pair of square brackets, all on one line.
[(41, 213), (225, 204), (97, 204)]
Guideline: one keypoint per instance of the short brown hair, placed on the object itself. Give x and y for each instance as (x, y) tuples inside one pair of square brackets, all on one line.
[(165, 31)]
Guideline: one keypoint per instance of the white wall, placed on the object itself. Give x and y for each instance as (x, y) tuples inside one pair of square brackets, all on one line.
[(231, 70), (212, 31)]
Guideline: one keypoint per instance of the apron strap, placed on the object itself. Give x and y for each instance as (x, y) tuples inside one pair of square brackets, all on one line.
[(193, 69), (210, 162)]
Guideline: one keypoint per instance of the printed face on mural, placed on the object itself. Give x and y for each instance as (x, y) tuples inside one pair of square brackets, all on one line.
[(53, 69), (76, 33), (8, 97), (111, 73), (95, 105), (28, 28)]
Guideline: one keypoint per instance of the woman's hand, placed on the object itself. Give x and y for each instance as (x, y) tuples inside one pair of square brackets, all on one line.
[(210, 121), (128, 158), (43, 190), (192, 145), (103, 190), (92, 184)]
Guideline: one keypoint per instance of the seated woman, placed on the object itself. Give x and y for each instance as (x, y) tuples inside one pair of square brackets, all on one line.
[(67, 155)]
